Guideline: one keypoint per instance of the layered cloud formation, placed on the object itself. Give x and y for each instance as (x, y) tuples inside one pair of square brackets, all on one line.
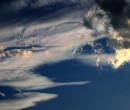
[(52, 35), (112, 19)]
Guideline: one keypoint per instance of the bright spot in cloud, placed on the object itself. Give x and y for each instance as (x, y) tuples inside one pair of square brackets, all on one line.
[(122, 56)]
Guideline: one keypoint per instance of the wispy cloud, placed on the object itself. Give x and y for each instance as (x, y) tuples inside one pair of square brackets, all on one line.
[(21, 102), (15, 71)]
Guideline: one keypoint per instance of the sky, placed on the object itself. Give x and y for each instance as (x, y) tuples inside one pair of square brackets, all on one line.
[(48, 47)]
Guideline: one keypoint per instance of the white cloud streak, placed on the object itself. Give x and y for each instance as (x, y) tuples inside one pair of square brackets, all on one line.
[(22, 102)]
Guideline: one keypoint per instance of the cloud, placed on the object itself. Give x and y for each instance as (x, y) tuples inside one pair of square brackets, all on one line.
[(34, 33), (121, 57), (115, 25), (15, 53), (21, 102), (16, 71), (1, 48), (2, 94), (57, 39), (97, 20), (16, 6)]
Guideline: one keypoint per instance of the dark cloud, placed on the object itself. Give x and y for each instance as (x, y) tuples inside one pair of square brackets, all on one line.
[(117, 15), (113, 6), (117, 10)]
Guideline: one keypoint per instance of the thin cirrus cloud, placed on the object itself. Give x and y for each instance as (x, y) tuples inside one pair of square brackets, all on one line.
[(21, 78), (16, 62), (21, 102)]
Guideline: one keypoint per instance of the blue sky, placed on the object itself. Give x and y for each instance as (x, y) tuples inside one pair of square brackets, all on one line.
[(108, 89)]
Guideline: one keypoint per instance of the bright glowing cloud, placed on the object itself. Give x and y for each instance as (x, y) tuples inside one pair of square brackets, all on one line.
[(122, 56)]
